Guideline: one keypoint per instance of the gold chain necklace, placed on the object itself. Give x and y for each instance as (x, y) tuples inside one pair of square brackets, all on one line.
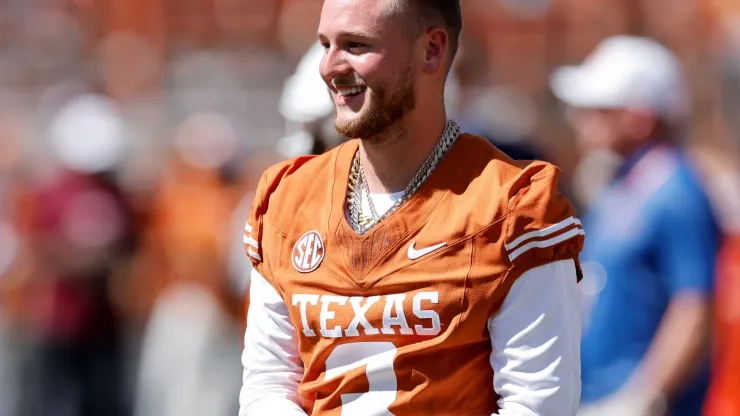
[(361, 222)]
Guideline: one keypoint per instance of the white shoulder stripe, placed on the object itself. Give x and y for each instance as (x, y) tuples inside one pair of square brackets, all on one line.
[(544, 232), (251, 241), (546, 243), (254, 254), (248, 228)]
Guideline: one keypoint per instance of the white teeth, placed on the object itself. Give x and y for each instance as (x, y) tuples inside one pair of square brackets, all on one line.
[(351, 91)]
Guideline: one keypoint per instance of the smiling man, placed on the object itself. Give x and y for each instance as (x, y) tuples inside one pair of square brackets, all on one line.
[(412, 270)]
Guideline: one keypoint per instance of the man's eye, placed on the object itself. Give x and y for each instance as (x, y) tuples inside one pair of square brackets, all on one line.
[(354, 46)]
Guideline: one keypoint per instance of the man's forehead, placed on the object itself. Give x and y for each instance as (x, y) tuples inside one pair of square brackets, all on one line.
[(353, 15)]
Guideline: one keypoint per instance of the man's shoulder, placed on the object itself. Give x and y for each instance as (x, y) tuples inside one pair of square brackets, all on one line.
[(285, 190), (492, 176), (299, 170), (288, 184), (536, 224)]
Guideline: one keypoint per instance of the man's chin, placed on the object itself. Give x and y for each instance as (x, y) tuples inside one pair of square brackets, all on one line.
[(346, 129), (348, 125), (363, 125)]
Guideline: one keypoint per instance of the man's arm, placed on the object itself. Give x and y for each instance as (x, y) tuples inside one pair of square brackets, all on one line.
[(535, 340), (677, 349), (272, 364)]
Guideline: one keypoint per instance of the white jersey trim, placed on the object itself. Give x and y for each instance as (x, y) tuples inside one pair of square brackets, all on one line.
[(546, 243), (544, 232)]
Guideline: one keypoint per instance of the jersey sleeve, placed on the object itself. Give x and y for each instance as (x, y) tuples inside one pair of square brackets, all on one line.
[(541, 226), (262, 239), (255, 224)]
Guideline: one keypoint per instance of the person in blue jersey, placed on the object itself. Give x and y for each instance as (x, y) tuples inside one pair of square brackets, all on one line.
[(652, 235)]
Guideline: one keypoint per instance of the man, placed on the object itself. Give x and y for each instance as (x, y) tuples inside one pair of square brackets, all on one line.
[(412, 270), (652, 233)]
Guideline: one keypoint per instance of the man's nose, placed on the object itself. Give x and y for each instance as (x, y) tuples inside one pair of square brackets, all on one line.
[(333, 64)]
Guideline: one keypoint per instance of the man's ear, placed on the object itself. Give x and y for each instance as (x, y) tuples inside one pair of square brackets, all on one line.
[(437, 43)]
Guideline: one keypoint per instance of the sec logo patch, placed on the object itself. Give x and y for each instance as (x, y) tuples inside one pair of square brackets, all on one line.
[(308, 252)]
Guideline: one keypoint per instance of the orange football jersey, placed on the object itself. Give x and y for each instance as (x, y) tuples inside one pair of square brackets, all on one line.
[(395, 321)]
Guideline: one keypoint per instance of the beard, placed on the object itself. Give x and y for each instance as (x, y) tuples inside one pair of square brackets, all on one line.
[(391, 102)]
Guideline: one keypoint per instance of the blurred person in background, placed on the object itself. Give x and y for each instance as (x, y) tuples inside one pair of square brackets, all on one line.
[(652, 235), (179, 287), (724, 398), (78, 237), (11, 341)]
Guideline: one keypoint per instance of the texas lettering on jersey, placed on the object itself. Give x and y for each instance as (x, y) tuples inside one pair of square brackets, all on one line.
[(391, 321), (387, 312)]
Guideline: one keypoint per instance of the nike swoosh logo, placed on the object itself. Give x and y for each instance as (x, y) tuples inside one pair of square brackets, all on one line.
[(415, 254)]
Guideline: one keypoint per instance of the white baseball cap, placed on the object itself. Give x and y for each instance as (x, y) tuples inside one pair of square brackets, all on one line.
[(304, 97), (626, 72)]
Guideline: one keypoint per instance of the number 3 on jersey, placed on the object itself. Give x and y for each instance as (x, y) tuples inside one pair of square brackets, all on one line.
[(377, 357)]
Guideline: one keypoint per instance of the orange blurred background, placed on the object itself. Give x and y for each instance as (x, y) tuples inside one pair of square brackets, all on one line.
[(132, 131)]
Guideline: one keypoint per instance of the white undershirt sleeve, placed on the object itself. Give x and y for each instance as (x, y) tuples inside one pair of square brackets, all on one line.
[(535, 340), (272, 365)]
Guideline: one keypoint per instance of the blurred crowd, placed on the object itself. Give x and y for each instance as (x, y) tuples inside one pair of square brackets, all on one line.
[(133, 131)]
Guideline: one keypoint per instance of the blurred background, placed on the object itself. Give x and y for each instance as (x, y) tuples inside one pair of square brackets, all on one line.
[(133, 131)]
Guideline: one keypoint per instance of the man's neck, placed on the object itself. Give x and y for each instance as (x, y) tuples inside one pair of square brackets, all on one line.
[(390, 162)]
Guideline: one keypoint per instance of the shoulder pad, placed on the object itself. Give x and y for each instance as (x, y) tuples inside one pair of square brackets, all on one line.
[(542, 226)]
